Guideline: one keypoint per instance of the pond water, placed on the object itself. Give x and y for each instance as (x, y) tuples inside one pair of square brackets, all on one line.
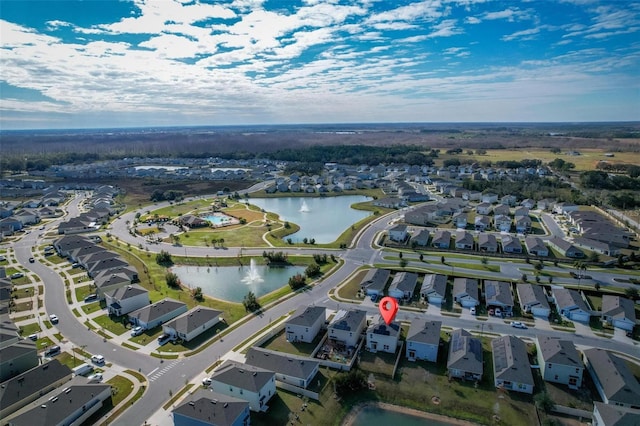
[(232, 283), (320, 218), (375, 416)]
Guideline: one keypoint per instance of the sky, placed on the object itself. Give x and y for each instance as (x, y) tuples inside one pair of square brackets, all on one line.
[(145, 63)]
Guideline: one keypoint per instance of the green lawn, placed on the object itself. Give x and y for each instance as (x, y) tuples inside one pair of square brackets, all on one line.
[(91, 307), (147, 336), (43, 342), (32, 328), (279, 343), (55, 259), (121, 387), (351, 288), (21, 293), (112, 324), (83, 291)]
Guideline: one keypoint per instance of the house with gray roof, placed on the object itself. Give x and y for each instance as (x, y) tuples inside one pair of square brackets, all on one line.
[(618, 311), (536, 247), (533, 300), (611, 415), (382, 336), (600, 247), (441, 239), (403, 285), (481, 223), (305, 324), (157, 313), (483, 209), (423, 340), (487, 243), (295, 370), (207, 408), (253, 384), (65, 245), (559, 361), (398, 233), (126, 299), (73, 405), (434, 288), (510, 244), (522, 224), (570, 304), (87, 256), (109, 282), (24, 388), (347, 326), (614, 381), (464, 240), (511, 367), (565, 248), (94, 268), (465, 356), (498, 295), (375, 281), (501, 210), (193, 323), (421, 238), (502, 223), (17, 358), (465, 292)]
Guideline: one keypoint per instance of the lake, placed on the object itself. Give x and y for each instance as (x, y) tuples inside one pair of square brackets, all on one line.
[(232, 283), (320, 218), (375, 416)]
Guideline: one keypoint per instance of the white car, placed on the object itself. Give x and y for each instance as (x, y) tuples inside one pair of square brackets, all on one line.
[(53, 318), (206, 381), (97, 359), (95, 378), (136, 331), (518, 324)]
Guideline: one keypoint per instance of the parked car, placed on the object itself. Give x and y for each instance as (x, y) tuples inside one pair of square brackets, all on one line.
[(136, 331), (75, 265), (17, 275), (33, 337), (2, 258), (53, 318), (94, 378), (164, 338), (32, 260), (472, 310), (97, 359), (53, 350), (206, 381), (91, 297), (517, 324)]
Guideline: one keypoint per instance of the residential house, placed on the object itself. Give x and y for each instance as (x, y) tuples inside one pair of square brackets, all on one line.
[(65, 245), (501, 210), (126, 299), (441, 239), (253, 384), (465, 356), (498, 295), (109, 281), (346, 328), (510, 244), (375, 281), (291, 369), (490, 198), (481, 223), (193, 323), (545, 204), (207, 408), (459, 220), (600, 247), (483, 209), (423, 340), (509, 200), (533, 300), (403, 285), (502, 223), (511, 366), (559, 361), (528, 203), (614, 381), (305, 324), (611, 415), (95, 268), (521, 211), (390, 202), (157, 313), (571, 305), (618, 311), (465, 292), (16, 358), (382, 336), (464, 240), (523, 224), (487, 243), (434, 287), (536, 247), (472, 196), (398, 233), (565, 248), (421, 239), (564, 208)]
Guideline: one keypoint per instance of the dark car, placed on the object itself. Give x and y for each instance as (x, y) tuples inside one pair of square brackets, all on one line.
[(53, 350), (31, 260)]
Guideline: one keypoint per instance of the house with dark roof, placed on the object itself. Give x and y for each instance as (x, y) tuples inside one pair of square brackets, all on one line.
[(533, 300), (87, 256), (17, 358), (95, 268), (487, 243), (510, 244), (570, 304), (70, 406), (305, 324), (559, 361), (65, 245), (423, 340), (193, 323), (126, 299), (347, 326), (465, 292), (464, 240), (565, 248), (611, 415), (441, 239), (618, 311), (522, 224), (295, 370), (76, 225), (502, 223), (498, 295), (601, 247), (481, 223), (382, 336), (24, 388), (511, 367), (157, 313), (421, 238), (253, 384), (501, 210), (614, 381), (403, 285), (536, 247), (465, 356), (207, 408), (375, 281), (434, 288)]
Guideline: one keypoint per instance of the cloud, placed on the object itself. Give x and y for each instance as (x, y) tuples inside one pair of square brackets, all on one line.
[(524, 34)]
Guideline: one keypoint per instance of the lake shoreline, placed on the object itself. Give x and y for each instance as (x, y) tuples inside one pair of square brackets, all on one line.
[(352, 415)]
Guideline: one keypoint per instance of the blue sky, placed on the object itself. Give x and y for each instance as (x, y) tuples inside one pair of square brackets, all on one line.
[(83, 64)]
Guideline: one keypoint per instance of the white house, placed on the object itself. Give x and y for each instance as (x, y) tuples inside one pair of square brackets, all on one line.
[(398, 233), (465, 292), (191, 324), (305, 325), (252, 384), (511, 367), (611, 415), (559, 361), (571, 305), (403, 285), (423, 340), (536, 247), (618, 311), (126, 299), (294, 370), (347, 326), (483, 209), (614, 381), (383, 337), (207, 408), (374, 281), (434, 287), (533, 300)]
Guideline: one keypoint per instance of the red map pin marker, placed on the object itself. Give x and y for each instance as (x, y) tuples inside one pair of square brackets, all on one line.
[(388, 309)]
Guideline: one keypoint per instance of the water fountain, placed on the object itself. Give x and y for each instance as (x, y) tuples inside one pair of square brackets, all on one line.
[(304, 208), (253, 276)]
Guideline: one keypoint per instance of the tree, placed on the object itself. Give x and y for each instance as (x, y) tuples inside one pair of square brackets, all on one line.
[(312, 270), (164, 258), (196, 293), (484, 260), (221, 242), (400, 255), (524, 278), (403, 263), (538, 266), (297, 281), (250, 302), (348, 383), (172, 280), (631, 293), (421, 257), (544, 402), (593, 257), (442, 259)]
